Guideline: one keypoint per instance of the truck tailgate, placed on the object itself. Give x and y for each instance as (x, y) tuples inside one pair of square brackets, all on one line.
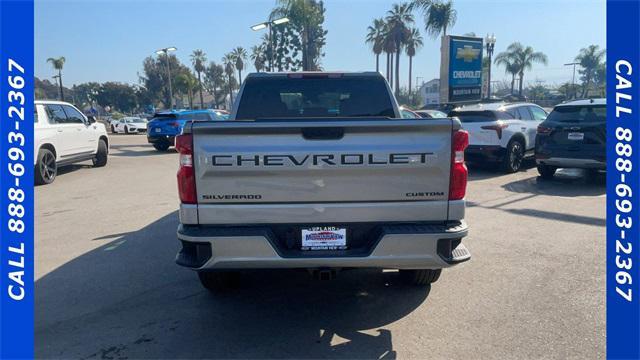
[(340, 162)]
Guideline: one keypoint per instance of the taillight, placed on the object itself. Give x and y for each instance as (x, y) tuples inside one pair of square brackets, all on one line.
[(459, 172), (543, 130), (186, 173), (497, 127), (174, 124)]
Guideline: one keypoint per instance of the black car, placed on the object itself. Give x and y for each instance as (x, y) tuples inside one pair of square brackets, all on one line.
[(573, 136)]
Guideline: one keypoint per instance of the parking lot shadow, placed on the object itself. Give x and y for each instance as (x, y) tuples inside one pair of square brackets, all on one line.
[(137, 150), (128, 299), (566, 182), (488, 170)]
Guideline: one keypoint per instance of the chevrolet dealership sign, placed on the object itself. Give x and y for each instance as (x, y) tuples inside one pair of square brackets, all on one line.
[(461, 69)]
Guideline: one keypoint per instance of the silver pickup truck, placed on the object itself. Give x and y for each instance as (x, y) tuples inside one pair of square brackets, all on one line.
[(317, 171)]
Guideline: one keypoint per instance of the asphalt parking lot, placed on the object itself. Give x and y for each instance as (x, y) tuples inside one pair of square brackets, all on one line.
[(107, 286)]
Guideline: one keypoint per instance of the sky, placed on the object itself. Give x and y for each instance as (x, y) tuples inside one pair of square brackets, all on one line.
[(108, 40)]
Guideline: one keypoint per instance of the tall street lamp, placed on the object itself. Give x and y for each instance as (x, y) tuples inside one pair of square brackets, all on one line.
[(166, 51), (490, 43), (269, 25), (573, 79)]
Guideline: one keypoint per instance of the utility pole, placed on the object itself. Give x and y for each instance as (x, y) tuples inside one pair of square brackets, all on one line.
[(573, 79)]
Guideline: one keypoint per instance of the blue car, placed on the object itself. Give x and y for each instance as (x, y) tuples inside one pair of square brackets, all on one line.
[(165, 126)]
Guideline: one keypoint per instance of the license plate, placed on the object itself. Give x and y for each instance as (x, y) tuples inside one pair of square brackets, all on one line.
[(324, 238), (575, 136), (158, 130)]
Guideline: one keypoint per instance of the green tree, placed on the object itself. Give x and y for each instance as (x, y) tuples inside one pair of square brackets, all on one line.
[(58, 64), (186, 84), (304, 35), (155, 76), (240, 56), (198, 59), (214, 82), (399, 19), (591, 60), (508, 60), (525, 57), (440, 16), (85, 93), (118, 96), (229, 67), (258, 57), (375, 37), (413, 43)]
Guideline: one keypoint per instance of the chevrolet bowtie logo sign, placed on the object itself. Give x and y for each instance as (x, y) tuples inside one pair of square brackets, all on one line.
[(468, 53)]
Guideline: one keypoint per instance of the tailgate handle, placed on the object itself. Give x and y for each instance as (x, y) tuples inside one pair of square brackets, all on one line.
[(335, 133)]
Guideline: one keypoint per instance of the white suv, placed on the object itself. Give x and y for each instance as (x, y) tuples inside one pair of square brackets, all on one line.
[(500, 132), (63, 135)]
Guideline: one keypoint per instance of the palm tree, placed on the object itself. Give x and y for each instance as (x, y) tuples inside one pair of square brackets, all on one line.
[(525, 58), (439, 17), (413, 43), (399, 18), (590, 59), (198, 59), (508, 60), (375, 37), (229, 61), (389, 47), (257, 56), (239, 55), (58, 64)]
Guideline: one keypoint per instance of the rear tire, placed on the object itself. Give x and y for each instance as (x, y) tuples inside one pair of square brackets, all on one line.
[(546, 171), (113, 129), (126, 130), (513, 157), (219, 280), (163, 146), (421, 277), (102, 155), (46, 167)]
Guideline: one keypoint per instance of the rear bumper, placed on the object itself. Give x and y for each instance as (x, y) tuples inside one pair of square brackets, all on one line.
[(153, 138), (397, 246), (583, 157), (484, 153), (572, 163)]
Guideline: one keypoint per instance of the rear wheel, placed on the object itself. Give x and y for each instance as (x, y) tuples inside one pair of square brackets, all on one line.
[(218, 280), (101, 156), (546, 171), (161, 146), (113, 129), (126, 130), (513, 158), (421, 276), (46, 167)]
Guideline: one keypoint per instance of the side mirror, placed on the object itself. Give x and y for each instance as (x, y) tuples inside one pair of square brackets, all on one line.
[(91, 119)]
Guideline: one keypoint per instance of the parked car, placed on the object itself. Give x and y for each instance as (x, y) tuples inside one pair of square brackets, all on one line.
[(431, 114), (130, 125), (62, 136), (500, 132), (259, 194), (224, 114), (165, 126), (573, 136), (406, 113)]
